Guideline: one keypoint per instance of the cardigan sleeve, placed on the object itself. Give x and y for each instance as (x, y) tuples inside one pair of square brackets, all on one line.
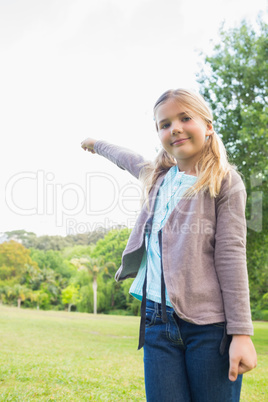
[(230, 255), (124, 158)]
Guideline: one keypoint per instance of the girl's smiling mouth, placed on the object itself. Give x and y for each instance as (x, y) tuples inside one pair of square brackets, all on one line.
[(180, 141)]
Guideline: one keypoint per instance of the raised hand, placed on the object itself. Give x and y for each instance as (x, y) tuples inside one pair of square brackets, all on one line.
[(88, 145)]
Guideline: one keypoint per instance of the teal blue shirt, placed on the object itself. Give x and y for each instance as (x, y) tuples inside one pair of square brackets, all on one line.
[(170, 193)]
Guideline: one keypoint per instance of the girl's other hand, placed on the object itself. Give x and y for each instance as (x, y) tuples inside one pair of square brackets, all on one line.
[(88, 145), (242, 356)]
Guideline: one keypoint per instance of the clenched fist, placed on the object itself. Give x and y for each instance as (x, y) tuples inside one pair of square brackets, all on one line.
[(88, 145)]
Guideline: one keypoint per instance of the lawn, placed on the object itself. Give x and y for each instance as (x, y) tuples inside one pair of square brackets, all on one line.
[(60, 356)]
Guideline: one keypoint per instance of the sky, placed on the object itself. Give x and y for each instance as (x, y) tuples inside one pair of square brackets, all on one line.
[(77, 69)]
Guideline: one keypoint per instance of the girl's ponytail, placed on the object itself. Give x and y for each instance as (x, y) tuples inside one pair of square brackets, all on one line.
[(211, 168)]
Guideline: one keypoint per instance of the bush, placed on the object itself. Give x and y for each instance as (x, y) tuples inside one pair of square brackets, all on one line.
[(260, 315)]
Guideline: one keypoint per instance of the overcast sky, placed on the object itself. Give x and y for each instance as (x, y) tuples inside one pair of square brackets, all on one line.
[(74, 69)]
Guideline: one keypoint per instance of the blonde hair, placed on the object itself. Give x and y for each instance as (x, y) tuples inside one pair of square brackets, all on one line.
[(213, 163)]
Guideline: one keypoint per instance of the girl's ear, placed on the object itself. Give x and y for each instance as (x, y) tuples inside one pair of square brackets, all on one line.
[(210, 129)]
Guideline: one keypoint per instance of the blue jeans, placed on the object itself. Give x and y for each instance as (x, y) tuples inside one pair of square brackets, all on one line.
[(184, 362)]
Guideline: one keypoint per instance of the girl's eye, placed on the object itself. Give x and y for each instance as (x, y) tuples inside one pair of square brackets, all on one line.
[(165, 125)]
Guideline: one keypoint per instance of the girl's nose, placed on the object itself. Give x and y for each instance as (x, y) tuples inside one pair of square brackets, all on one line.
[(176, 128)]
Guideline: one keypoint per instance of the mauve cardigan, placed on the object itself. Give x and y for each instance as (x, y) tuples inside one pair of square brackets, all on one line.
[(203, 249)]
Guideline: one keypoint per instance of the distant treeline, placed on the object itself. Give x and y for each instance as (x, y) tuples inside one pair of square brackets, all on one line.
[(31, 240), (67, 277), (55, 272)]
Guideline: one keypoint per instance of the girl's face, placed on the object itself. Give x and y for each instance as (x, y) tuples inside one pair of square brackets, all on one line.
[(181, 136)]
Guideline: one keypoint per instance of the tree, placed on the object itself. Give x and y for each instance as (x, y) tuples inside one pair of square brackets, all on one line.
[(95, 267), (6, 294), (110, 249), (112, 246), (70, 296), (21, 293), (15, 260), (234, 80), (30, 240), (39, 297), (76, 251), (54, 260)]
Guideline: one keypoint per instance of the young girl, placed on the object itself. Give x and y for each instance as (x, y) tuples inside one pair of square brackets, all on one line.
[(187, 253)]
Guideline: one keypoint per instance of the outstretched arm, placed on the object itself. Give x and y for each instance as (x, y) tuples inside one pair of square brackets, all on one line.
[(122, 157)]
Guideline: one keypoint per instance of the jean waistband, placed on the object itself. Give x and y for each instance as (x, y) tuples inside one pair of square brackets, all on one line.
[(158, 307)]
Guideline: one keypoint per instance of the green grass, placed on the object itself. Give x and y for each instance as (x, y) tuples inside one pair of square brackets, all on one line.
[(60, 356)]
